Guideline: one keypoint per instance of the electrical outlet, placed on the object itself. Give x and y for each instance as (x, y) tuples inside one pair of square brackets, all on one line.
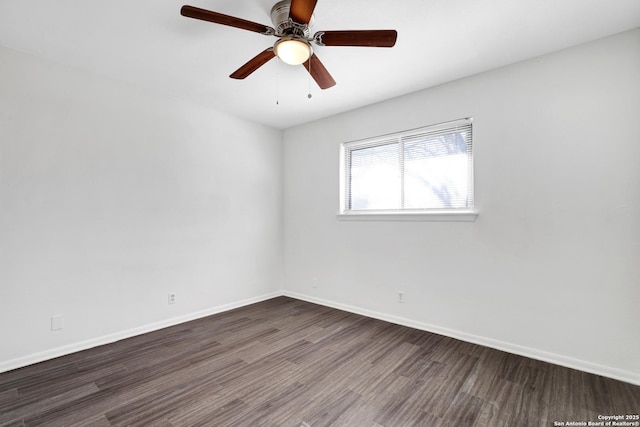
[(400, 297), (57, 322), (172, 298), (314, 283)]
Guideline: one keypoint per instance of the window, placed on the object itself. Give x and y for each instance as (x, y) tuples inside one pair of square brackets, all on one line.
[(411, 174)]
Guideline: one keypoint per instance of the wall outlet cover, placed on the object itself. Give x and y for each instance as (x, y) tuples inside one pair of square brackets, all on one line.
[(57, 322)]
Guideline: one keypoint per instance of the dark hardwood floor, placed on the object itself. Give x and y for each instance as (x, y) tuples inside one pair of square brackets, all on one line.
[(285, 362)]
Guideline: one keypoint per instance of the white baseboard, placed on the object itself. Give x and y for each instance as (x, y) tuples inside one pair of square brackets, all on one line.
[(107, 339), (557, 359)]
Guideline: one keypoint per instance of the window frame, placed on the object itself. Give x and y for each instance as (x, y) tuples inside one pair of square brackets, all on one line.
[(429, 214)]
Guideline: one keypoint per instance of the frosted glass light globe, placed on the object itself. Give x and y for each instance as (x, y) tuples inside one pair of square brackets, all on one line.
[(292, 52)]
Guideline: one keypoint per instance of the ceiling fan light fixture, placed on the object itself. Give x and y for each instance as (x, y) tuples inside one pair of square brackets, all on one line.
[(292, 20), (292, 51)]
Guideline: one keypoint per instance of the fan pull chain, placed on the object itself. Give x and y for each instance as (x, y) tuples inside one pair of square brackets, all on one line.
[(277, 81), (309, 94)]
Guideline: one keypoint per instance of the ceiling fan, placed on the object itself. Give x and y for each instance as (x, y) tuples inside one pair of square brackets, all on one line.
[(293, 20)]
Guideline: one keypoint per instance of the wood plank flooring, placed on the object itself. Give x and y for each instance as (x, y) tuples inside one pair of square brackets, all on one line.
[(285, 362)]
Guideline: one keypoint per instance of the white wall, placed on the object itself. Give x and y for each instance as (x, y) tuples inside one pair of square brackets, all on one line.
[(110, 198), (551, 267)]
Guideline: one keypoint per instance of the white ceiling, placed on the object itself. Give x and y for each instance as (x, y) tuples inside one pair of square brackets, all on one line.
[(148, 44)]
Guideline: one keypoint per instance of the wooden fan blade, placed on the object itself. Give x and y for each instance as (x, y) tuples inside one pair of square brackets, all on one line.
[(219, 18), (319, 73), (256, 62), (300, 11), (367, 38)]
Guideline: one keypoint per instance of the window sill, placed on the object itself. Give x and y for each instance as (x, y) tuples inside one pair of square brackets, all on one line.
[(450, 216)]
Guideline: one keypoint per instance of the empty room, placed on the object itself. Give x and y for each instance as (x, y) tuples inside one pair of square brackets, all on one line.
[(320, 213)]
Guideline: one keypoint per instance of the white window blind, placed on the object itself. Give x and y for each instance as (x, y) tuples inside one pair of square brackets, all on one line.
[(424, 169)]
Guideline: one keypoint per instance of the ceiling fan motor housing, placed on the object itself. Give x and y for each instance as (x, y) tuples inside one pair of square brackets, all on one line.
[(282, 23)]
